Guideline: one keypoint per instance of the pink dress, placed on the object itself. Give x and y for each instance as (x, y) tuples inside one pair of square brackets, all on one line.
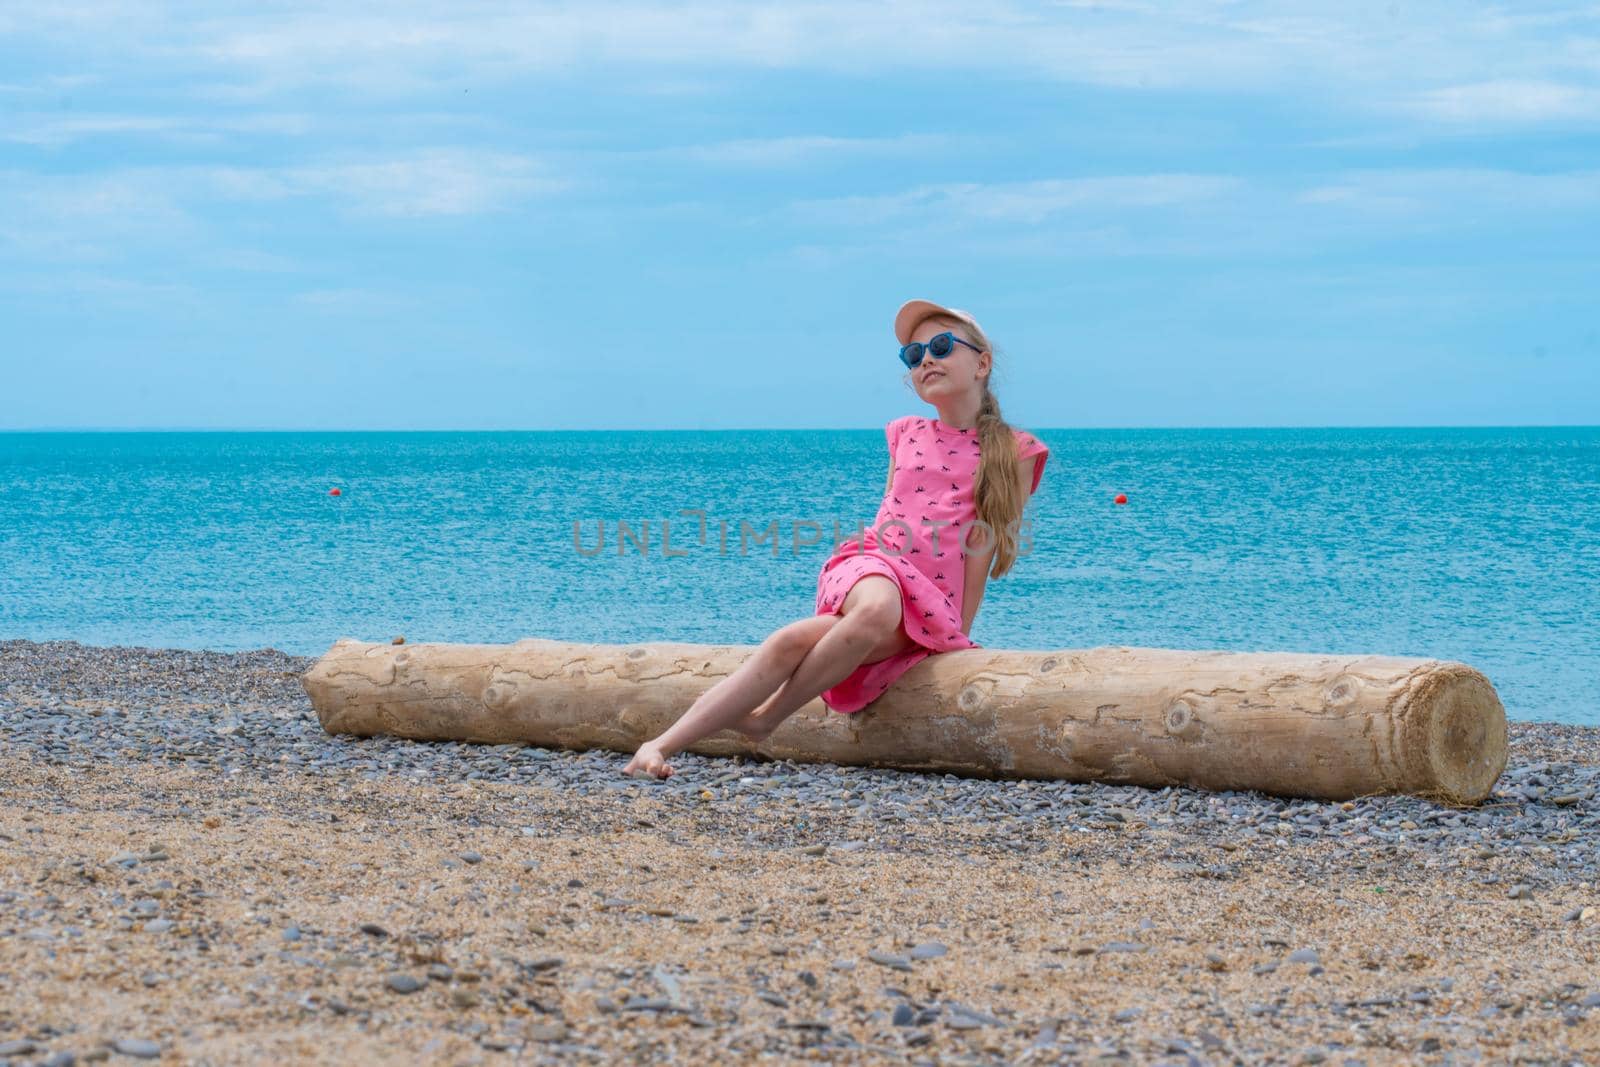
[(929, 499)]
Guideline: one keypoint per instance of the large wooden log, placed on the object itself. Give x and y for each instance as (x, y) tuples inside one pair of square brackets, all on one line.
[(1293, 724)]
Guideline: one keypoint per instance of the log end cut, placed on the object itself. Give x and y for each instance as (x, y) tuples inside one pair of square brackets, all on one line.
[(1457, 746)]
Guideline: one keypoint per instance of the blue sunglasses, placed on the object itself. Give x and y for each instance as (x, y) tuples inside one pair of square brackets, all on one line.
[(938, 346)]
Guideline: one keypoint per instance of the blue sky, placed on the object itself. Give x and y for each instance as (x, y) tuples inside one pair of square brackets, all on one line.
[(496, 216)]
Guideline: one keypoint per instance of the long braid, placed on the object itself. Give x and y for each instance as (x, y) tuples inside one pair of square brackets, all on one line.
[(997, 491)]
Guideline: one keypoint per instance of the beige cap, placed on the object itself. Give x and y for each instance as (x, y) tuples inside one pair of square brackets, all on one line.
[(914, 311)]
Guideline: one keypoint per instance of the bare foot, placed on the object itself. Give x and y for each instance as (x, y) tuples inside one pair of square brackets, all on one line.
[(648, 759)]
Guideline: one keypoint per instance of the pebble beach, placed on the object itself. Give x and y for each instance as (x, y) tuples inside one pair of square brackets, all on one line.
[(192, 871)]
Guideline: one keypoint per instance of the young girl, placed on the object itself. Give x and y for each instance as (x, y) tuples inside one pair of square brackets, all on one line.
[(909, 586)]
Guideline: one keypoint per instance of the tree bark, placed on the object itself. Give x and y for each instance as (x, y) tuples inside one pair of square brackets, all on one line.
[(1287, 723)]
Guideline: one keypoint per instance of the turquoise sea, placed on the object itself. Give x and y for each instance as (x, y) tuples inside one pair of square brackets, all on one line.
[(1477, 544)]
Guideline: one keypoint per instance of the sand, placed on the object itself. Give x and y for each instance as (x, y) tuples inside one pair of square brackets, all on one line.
[(624, 884)]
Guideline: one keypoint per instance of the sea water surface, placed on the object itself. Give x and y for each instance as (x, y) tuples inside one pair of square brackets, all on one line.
[(1476, 544)]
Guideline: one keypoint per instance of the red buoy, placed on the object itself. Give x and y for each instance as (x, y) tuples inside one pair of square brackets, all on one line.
[(1122, 498), (334, 491)]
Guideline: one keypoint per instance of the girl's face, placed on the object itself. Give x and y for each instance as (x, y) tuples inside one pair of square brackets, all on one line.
[(962, 371)]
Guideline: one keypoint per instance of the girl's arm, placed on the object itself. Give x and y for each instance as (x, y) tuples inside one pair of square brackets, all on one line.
[(978, 563), (891, 435)]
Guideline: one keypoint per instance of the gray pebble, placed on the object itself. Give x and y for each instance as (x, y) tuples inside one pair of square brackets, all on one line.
[(471, 857), (1304, 955), (972, 1013), (404, 983), (647, 1004), (890, 959), (137, 1047), (928, 950)]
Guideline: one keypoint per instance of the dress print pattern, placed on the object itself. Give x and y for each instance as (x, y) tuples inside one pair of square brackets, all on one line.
[(915, 541)]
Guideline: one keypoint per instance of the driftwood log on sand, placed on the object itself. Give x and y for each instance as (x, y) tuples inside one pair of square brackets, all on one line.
[(1288, 723)]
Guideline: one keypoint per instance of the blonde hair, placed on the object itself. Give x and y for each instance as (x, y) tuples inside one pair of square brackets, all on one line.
[(998, 492)]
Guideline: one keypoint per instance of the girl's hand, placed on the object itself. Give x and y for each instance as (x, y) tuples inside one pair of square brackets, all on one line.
[(648, 759)]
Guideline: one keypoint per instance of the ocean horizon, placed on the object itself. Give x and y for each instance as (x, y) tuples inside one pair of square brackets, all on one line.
[(1479, 544)]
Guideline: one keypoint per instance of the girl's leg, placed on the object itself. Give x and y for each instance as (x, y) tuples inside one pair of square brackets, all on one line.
[(867, 627), (875, 603), (727, 703)]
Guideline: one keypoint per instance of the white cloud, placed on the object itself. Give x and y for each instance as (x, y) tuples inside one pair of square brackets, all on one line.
[(1026, 202), (106, 216), (1507, 101), (1208, 216), (1448, 191), (434, 182), (88, 218), (105, 290), (789, 151), (45, 83), (427, 182), (350, 301), (1424, 57), (53, 131)]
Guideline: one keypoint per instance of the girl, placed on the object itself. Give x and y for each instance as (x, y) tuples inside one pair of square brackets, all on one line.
[(909, 586)]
